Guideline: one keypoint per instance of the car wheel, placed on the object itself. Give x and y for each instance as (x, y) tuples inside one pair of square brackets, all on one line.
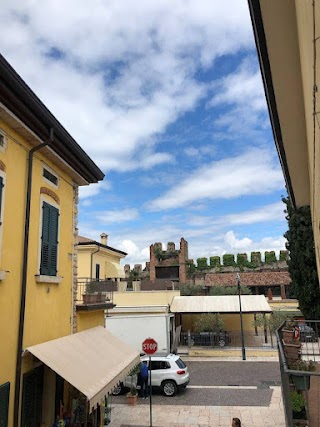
[(222, 343), (169, 388), (117, 390)]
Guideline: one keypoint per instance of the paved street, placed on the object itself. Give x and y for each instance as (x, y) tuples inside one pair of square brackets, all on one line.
[(218, 391)]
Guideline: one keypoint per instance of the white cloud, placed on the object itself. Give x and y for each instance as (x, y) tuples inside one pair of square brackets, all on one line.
[(237, 244), (92, 190), (117, 216), (135, 254), (118, 73), (251, 173)]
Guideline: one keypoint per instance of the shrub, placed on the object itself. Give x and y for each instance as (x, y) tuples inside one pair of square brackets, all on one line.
[(297, 401), (188, 289), (229, 290), (209, 323)]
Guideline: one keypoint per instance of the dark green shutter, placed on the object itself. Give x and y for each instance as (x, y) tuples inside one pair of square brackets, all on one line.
[(32, 398), (49, 246), (4, 404)]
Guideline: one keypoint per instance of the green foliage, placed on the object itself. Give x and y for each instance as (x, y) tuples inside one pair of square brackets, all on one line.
[(215, 261), (304, 365), (191, 269), (302, 260), (202, 263), (271, 322), (209, 323), (242, 259), (256, 258), (92, 287), (297, 401), (270, 257), (188, 289), (283, 256), (229, 290), (228, 260)]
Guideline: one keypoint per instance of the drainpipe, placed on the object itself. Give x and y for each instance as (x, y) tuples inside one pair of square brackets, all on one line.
[(91, 264), (24, 280)]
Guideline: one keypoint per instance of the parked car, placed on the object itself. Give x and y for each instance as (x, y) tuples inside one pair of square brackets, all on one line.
[(307, 334), (169, 373), (208, 339)]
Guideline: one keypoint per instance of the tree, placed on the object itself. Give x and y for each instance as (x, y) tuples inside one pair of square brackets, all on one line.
[(271, 322), (302, 260), (209, 323), (229, 290), (188, 289)]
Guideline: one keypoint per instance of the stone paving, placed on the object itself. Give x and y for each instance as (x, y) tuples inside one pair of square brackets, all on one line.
[(124, 415)]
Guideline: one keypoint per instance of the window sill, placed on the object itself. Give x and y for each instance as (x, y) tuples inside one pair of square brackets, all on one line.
[(3, 274), (40, 278)]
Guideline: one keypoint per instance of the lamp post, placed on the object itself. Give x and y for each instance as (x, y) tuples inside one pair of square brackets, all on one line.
[(241, 323)]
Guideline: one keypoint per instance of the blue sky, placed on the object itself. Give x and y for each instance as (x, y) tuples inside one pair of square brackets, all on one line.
[(166, 97)]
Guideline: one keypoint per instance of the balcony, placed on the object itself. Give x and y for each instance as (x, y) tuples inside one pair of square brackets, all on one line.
[(299, 356), (95, 294)]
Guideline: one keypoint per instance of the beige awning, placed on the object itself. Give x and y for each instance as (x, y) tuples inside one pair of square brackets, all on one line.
[(220, 304), (93, 361)]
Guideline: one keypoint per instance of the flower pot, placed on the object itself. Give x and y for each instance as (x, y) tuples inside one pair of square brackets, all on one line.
[(132, 399), (301, 383), (287, 334)]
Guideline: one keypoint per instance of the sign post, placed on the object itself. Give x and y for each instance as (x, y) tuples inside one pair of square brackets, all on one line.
[(150, 346)]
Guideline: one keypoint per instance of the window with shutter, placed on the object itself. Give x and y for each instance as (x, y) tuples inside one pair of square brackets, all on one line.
[(49, 240), (4, 404), (32, 397)]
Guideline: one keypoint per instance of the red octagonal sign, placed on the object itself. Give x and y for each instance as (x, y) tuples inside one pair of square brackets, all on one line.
[(149, 346)]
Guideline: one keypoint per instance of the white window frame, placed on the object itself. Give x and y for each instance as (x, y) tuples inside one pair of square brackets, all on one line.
[(5, 141), (47, 181)]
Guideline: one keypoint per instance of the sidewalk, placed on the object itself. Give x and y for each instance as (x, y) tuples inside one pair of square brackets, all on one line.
[(200, 416)]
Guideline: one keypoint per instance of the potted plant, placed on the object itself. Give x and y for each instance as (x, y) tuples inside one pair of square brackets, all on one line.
[(132, 396), (92, 296), (288, 330), (299, 412), (302, 382)]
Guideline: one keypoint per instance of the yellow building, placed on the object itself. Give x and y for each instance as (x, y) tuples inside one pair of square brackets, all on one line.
[(288, 45), (41, 167), (97, 260)]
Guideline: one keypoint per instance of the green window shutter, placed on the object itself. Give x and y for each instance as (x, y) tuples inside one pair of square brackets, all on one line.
[(31, 407), (49, 244), (4, 404)]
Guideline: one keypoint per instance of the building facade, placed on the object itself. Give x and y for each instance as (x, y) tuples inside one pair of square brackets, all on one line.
[(41, 168)]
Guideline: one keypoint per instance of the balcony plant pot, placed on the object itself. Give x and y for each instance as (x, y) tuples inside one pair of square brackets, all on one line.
[(287, 334), (302, 383), (292, 350), (93, 298), (299, 412)]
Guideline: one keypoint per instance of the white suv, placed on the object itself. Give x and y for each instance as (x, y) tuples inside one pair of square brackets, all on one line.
[(167, 372)]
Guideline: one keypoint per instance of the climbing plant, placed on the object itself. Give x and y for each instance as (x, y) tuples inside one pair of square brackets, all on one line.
[(209, 323), (302, 260)]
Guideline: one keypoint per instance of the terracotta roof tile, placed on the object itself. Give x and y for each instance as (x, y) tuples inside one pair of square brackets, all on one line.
[(256, 278)]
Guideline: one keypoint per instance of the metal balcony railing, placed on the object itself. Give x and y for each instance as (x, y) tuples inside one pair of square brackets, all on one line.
[(299, 357), (95, 291), (229, 338)]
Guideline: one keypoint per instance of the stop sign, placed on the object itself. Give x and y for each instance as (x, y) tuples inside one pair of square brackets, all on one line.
[(149, 346)]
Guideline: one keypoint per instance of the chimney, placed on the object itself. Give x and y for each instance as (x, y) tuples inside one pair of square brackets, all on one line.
[(104, 239)]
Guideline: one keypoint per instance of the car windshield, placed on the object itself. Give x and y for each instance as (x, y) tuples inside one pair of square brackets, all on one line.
[(180, 363)]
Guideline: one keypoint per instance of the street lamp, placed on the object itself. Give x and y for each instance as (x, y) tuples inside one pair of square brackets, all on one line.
[(241, 324)]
